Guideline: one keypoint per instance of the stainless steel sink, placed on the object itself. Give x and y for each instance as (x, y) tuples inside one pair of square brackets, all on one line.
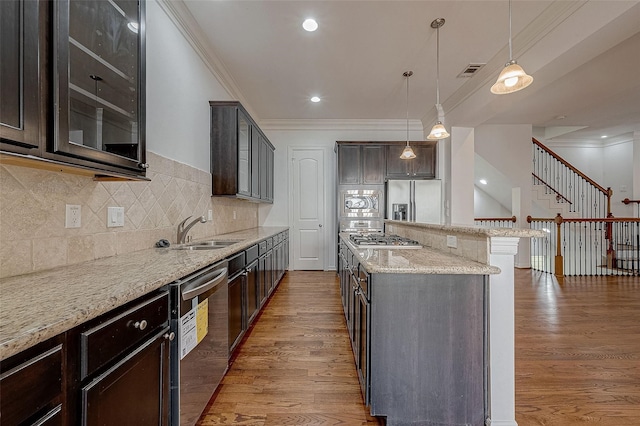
[(205, 245)]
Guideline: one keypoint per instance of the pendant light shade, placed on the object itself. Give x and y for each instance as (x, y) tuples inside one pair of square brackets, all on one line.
[(512, 78), (438, 131), (408, 153)]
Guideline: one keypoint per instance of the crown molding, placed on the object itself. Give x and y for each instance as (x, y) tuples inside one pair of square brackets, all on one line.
[(340, 124), (184, 21)]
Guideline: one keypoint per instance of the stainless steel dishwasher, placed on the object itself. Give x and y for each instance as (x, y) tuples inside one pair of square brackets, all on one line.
[(200, 353)]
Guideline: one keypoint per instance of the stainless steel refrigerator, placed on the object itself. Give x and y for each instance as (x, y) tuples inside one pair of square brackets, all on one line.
[(415, 200)]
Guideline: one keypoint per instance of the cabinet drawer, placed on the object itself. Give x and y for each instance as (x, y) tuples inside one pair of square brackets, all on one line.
[(236, 263), (262, 248), (269, 243), (32, 388), (115, 335), (251, 254)]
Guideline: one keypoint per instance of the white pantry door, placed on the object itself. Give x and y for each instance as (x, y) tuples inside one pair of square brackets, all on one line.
[(307, 181)]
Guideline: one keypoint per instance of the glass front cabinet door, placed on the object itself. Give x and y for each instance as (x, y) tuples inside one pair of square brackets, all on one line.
[(98, 83)]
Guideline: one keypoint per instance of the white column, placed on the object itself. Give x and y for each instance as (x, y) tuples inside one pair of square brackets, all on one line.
[(502, 398), (462, 169)]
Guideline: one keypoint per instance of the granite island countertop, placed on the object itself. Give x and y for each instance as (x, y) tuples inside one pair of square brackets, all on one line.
[(35, 307), (416, 261)]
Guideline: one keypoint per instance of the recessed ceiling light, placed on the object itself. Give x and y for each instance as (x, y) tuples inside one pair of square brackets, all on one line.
[(560, 117), (603, 136), (310, 24), (315, 99), (483, 181)]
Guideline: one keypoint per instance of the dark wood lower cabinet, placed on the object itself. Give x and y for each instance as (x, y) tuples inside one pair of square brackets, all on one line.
[(253, 290), (31, 385), (418, 342), (134, 391), (236, 310)]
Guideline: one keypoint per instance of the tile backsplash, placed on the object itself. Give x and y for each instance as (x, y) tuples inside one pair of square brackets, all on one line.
[(33, 202)]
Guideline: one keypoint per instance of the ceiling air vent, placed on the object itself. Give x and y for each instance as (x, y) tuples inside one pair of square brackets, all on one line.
[(470, 70)]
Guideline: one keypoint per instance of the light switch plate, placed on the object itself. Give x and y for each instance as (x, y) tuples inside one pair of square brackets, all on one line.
[(73, 216), (452, 241), (115, 217), (210, 215)]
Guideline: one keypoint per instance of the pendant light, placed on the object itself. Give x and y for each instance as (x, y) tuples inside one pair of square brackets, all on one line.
[(512, 78), (438, 131), (408, 153)]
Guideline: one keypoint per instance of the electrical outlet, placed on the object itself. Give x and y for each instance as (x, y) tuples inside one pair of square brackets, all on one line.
[(115, 217), (452, 241), (210, 215), (73, 216), (234, 215)]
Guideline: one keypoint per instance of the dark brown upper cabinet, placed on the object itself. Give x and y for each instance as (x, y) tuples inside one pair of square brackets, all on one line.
[(360, 164), (22, 31), (241, 155), (422, 167), (98, 84), (72, 77)]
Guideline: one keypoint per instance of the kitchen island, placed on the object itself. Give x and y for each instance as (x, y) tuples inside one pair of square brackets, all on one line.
[(419, 322)]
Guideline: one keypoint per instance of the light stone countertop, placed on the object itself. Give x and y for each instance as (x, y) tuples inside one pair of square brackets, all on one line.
[(473, 230), (416, 261), (41, 305)]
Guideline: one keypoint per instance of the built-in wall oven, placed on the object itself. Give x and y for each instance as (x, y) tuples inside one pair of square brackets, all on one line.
[(200, 354), (360, 202), (361, 210)]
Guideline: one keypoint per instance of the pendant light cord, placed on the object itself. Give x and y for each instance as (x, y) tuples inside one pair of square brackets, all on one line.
[(510, 49), (408, 75), (438, 66)]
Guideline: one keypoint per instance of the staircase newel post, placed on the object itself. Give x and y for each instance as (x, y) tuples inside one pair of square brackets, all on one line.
[(559, 261), (609, 194)]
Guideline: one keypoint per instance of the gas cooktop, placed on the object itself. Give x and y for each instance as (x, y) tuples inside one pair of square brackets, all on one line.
[(383, 241)]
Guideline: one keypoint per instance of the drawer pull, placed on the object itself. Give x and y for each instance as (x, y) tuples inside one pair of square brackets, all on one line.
[(140, 325), (170, 336)]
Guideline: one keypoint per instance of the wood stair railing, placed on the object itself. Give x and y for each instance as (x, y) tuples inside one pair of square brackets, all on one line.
[(595, 244), (583, 194)]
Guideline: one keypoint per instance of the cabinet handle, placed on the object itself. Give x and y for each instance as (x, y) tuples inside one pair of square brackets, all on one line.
[(143, 165), (170, 336), (140, 325)]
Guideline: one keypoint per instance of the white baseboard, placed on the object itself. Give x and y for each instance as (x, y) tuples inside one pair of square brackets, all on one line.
[(490, 422)]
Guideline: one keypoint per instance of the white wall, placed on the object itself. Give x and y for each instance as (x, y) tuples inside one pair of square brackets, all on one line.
[(618, 174), (487, 206), (277, 214), (462, 176), (179, 87), (586, 158)]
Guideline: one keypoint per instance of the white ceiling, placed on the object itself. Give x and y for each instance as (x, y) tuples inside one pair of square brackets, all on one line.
[(583, 55)]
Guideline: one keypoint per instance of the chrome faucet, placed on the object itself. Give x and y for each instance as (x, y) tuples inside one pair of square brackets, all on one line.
[(183, 230)]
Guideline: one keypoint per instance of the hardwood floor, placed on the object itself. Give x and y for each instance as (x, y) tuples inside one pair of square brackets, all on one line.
[(296, 366), (577, 350), (577, 356)]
